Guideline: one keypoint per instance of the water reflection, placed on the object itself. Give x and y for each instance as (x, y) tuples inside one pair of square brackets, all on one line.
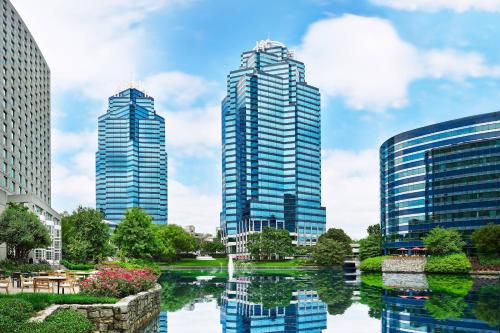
[(325, 302)]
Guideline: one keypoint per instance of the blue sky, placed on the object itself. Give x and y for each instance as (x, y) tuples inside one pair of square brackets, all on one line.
[(383, 66)]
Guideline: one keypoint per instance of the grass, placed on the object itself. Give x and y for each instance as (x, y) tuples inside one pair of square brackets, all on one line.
[(41, 301), (217, 262)]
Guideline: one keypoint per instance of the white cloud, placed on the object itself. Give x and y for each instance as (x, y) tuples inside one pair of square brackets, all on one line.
[(92, 46), (178, 87), (350, 185), (194, 132), (73, 172), (435, 5), (364, 61), (188, 205)]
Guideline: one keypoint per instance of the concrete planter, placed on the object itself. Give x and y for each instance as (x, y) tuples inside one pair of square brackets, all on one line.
[(126, 316)]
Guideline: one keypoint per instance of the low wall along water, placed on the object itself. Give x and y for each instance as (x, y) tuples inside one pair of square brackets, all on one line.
[(126, 316), (404, 265)]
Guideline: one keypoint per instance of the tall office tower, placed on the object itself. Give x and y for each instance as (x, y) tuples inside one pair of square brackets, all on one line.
[(131, 160), (25, 127), (271, 149), (443, 175)]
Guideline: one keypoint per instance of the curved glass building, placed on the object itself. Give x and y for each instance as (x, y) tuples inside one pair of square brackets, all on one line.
[(446, 175)]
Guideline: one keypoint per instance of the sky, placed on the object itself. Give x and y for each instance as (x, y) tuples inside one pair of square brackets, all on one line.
[(382, 67)]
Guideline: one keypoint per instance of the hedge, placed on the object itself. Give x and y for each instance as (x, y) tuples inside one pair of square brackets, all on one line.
[(452, 263), (41, 301), (372, 264), (76, 267)]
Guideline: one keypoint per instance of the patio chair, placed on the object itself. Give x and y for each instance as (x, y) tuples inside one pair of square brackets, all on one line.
[(5, 284), (70, 282), (26, 282), (42, 284)]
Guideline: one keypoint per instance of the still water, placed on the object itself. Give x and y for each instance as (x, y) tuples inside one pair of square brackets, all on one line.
[(326, 301)]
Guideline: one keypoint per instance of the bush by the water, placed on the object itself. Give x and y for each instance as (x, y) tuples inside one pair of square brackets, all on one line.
[(40, 301), (453, 263), (372, 264), (116, 281), (76, 267)]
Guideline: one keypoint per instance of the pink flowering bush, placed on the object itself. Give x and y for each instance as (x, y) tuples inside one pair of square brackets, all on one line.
[(116, 281)]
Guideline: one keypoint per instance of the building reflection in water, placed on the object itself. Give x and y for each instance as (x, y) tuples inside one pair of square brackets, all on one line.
[(270, 304)]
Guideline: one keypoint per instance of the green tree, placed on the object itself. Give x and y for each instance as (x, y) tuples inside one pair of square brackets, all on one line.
[(213, 247), (270, 243), (329, 252), (85, 236), (370, 246), (333, 291), (174, 237), (22, 231), (374, 229), (340, 236), (487, 239), (442, 241), (134, 236)]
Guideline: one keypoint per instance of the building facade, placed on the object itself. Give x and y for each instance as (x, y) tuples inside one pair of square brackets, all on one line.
[(445, 175), (131, 161), (25, 126), (271, 149)]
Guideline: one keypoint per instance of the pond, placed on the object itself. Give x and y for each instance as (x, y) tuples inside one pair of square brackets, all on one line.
[(325, 301)]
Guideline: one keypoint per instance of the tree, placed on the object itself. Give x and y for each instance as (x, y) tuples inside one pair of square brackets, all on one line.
[(329, 252), (175, 237), (340, 236), (213, 247), (487, 239), (271, 291), (22, 231), (85, 236), (442, 241), (270, 243), (373, 230), (370, 246), (134, 236)]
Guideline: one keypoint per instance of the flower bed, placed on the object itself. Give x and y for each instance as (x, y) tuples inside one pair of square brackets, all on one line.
[(119, 282)]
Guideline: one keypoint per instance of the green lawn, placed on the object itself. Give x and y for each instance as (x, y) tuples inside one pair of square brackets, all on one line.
[(217, 262), (224, 261)]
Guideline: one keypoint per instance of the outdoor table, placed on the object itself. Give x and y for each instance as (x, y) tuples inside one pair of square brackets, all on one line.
[(57, 279), (84, 275)]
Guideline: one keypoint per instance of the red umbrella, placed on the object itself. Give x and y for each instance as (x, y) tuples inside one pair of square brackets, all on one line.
[(417, 249), (402, 249)]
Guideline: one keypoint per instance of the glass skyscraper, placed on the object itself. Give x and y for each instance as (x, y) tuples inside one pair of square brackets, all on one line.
[(271, 149), (445, 175), (131, 161)]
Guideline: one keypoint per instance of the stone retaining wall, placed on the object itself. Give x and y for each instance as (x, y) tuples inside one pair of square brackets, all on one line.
[(404, 265), (126, 316)]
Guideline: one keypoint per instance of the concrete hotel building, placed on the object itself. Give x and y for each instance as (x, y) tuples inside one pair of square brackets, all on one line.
[(271, 149), (446, 175), (131, 161), (25, 127)]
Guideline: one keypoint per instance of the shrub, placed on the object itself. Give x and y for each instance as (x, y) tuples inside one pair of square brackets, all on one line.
[(487, 239), (116, 281), (370, 246), (442, 241), (453, 263), (445, 306), (10, 266), (15, 309), (137, 264), (63, 321), (372, 264), (41, 301), (76, 267)]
